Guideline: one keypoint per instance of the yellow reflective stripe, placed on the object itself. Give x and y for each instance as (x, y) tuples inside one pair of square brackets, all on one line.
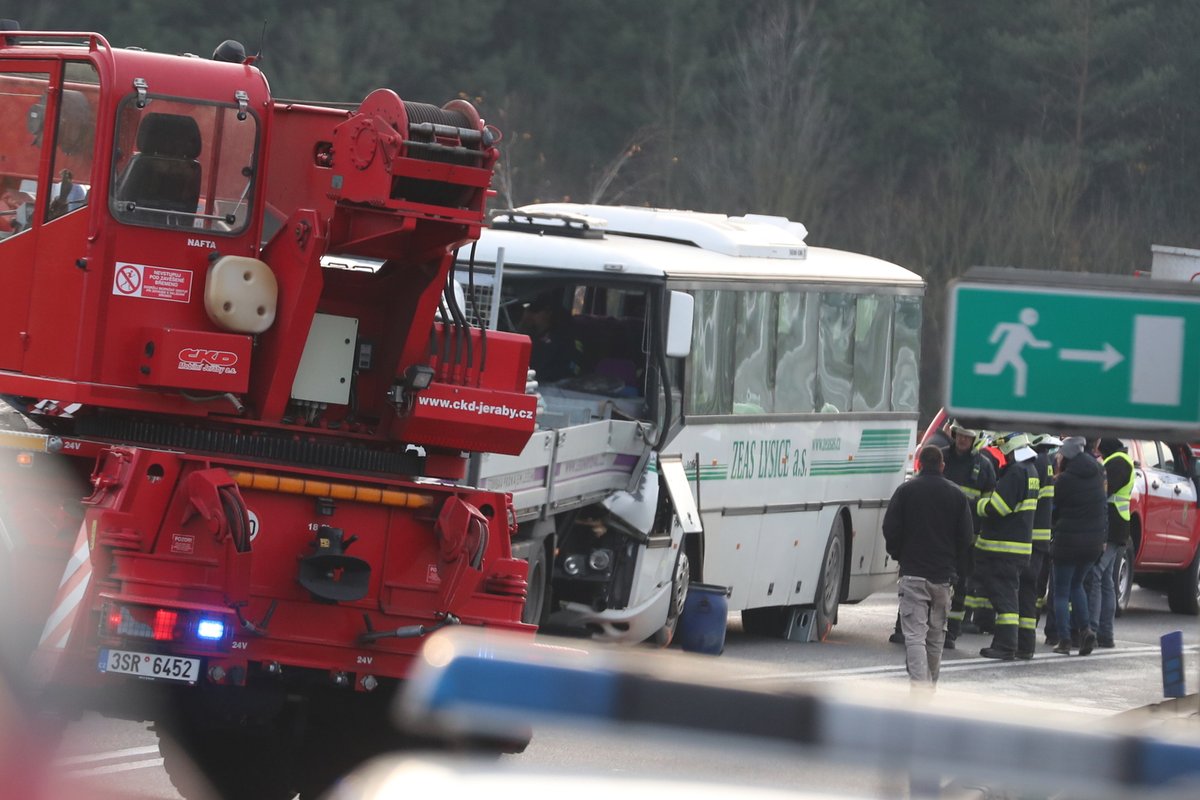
[(1027, 505), (970, 491), (1041, 534), (1007, 619), (998, 502), (1121, 504), (958, 615), (1046, 491), (1120, 498), (1002, 546), (977, 602), (1028, 623)]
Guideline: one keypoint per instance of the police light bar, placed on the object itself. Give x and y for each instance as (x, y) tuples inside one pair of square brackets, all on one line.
[(210, 629), (466, 681)]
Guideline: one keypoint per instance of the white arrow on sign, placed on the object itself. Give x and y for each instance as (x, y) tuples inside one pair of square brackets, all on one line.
[(1109, 356)]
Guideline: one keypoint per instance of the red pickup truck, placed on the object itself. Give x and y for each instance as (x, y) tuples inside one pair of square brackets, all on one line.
[(1164, 524), (1163, 551)]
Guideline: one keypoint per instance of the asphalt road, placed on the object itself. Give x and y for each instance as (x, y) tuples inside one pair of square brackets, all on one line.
[(111, 759)]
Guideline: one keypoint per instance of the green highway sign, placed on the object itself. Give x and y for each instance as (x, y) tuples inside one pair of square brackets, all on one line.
[(1074, 350)]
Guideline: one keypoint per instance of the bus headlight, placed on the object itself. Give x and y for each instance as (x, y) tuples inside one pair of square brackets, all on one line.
[(573, 564), (600, 560)]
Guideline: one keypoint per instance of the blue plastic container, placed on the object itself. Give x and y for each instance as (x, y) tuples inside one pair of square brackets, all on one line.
[(701, 627)]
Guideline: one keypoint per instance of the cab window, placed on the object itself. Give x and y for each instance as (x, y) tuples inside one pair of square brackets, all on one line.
[(74, 137), (184, 164), (23, 102), (1150, 457)]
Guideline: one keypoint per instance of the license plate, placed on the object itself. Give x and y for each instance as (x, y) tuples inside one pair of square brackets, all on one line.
[(148, 665)]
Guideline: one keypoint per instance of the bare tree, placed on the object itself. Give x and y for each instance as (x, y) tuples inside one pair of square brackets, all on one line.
[(776, 144)]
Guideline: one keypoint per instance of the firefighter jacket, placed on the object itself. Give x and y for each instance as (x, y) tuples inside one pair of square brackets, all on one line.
[(1118, 470), (971, 472), (974, 475), (1080, 514), (1007, 513), (1045, 501)]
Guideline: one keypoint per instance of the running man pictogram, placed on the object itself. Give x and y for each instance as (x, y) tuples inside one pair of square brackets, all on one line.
[(129, 280), (1013, 337)]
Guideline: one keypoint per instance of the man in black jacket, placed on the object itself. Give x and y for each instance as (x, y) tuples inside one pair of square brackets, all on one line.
[(928, 530), (1078, 539)]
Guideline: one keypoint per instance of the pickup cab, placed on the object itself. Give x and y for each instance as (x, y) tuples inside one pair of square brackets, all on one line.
[(1164, 524)]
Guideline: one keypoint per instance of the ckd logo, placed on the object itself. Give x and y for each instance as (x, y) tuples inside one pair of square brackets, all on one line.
[(198, 355)]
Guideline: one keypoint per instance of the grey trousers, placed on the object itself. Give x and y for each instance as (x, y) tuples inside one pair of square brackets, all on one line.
[(923, 609)]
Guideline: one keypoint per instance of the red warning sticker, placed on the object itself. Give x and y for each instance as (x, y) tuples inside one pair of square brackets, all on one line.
[(153, 283), (183, 543)]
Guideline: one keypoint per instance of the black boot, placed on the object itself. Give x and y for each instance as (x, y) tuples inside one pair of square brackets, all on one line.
[(1087, 642), (996, 652), (1026, 643), (1004, 644)]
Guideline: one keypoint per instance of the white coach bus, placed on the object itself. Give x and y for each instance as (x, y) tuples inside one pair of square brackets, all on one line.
[(793, 414)]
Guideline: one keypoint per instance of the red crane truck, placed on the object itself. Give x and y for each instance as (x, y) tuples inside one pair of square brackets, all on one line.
[(231, 489)]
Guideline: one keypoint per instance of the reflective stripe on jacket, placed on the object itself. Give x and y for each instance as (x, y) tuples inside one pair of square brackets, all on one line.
[(1120, 498), (1007, 513)]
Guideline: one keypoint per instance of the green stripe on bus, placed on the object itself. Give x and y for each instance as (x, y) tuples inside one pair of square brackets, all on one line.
[(886, 433), (880, 470)]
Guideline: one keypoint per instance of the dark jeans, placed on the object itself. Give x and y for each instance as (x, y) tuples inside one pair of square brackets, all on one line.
[(1069, 593), (1102, 593)]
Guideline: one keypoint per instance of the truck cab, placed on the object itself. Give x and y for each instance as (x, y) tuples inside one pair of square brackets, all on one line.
[(1165, 524)]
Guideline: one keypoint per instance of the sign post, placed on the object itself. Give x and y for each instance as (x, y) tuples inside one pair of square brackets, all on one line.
[(1069, 350)]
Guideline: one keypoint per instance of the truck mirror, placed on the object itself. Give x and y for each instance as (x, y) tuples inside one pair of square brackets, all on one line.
[(679, 325)]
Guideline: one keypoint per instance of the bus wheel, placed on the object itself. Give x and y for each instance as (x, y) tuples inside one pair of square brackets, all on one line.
[(681, 579), (829, 585)]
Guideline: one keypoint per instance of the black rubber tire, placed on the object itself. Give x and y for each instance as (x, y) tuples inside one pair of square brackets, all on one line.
[(1183, 594), (767, 621), (829, 584), (537, 594), (234, 763), (681, 579), (1123, 579), (340, 733)]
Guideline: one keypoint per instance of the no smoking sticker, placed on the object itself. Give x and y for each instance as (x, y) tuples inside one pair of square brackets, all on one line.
[(152, 283)]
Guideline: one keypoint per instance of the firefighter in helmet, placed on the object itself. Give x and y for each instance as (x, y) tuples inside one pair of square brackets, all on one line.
[(975, 476), (1033, 577), (1005, 541)]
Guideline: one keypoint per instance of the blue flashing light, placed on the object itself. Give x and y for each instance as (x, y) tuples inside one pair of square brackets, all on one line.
[(211, 629)]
